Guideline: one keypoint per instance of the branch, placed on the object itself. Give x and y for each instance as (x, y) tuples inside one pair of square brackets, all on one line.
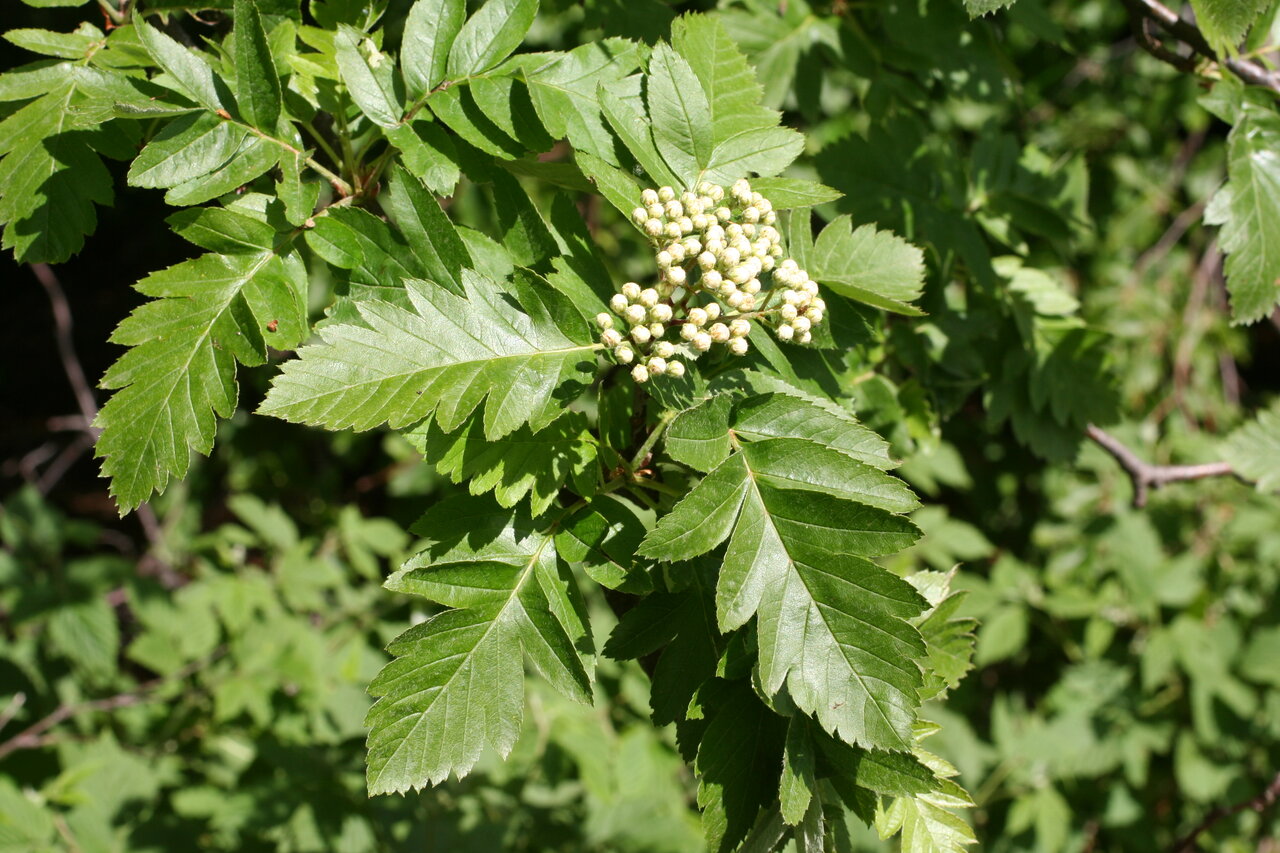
[(1258, 804), (66, 348), (1189, 34), (1146, 476)]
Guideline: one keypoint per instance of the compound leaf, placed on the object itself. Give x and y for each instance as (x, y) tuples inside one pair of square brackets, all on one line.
[(496, 29), (877, 268), (429, 32)]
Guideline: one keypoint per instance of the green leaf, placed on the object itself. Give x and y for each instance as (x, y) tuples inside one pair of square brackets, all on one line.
[(832, 626), (456, 686), (623, 106), (429, 32), (792, 463), (371, 88), (179, 376), (50, 179), (789, 415), (259, 83), (799, 773), (187, 69), (1225, 23), (790, 193), (445, 354), (436, 245), (1254, 449), (88, 635), (496, 29), (699, 437), (603, 537), (1248, 209), (763, 151), (565, 91), (378, 258), (949, 638), (75, 45), (187, 149), (428, 153), (680, 112), (977, 8), (926, 821), (874, 267), (523, 463)]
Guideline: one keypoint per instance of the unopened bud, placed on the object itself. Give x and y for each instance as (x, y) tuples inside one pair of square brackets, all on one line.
[(641, 334), (785, 333), (664, 349), (675, 369), (739, 328), (657, 365), (698, 316), (666, 194), (611, 337), (604, 320), (660, 313), (702, 342), (649, 197), (640, 373), (635, 314), (719, 333), (624, 353), (739, 346), (676, 275), (640, 215)]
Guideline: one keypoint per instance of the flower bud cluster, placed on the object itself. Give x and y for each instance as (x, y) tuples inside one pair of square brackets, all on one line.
[(716, 243)]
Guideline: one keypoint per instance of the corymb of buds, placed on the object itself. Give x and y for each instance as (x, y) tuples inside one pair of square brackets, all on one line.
[(720, 266)]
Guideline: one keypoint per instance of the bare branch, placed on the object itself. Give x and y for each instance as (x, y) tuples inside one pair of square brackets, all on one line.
[(1189, 34), (66, 348), (1146, 476), (1258, 804)]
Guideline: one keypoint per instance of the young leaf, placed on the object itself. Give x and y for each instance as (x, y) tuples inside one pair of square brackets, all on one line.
[(496, 29), (429, 32), (1248, 209), (256, 75), (523, 463), (1225, 23), (456, 685), (443, 354), (794, 561), (209, 313), (193, 76), (950, 638), (1254, 450), (371, 88), (50, 180), (680, 113), (877, 268)]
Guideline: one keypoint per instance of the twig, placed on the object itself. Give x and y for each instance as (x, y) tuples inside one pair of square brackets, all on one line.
[(1258, 804), (1146, 476), (1247, 70), (66, 348)]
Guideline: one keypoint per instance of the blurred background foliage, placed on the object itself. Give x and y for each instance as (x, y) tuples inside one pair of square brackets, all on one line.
[(192, 677)]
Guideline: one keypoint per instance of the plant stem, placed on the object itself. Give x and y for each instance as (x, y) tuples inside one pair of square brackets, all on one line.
[(638, 459)]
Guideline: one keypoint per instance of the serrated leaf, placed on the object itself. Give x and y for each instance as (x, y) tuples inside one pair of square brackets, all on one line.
[(788, 415), (428, 153), (378, 258), (623, 106), (259, 85), (1225, 23), (429, 32), (728, 81), (699, 437), (799, 772), (873, 267), (565, 92), (523, 463), (926, 824), (603, 537), (949, 638), (50, 179), (1248, 209), (832, 626), (977, 8), (456, 686), (680, 113), (792, 463), (444, 354), (491, 34), (187, 148), (74, 45), (179, 376), (371, 88), (790, 193), (193, 76), (438, 249), (1254, 449), (763, 151)]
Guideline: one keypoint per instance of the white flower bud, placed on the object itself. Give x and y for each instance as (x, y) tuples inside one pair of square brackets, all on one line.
[(702, 342), (664, 349), (790, 297), (640, 215), (715, 232), (618, 302), (706, 188), (761, 204), (801, 323), (692, 245), (715, 246), (775, 251), (657, 330), (768, 232), (686, 225), (739, 328), (749, 230), (648, 297), (752, 287), (748, 302), (739, 346), (653, 227), (631, 291), (711, 280), (641, 334), (760, 249), (785, 333), (723, 214), (611, 337), (655, 211), (707, 260), (673, 209), (697, 317), (716, 192), (676, 275), (664, 260), (719, 333), (713, 311), (755, 198), (699, 221), (733, 231), (657, 365), (770, 218), (660, 313), (805, 337), (741, 187), (640, 373), (766, 263), (673, 230), (649, 197), (815, 317), (820, 304), (730, 257), (751, 215), (624, 353), (810, 287), (688, 330), (666, 194), (788, 312), (676, 251), (675, 369), (728, 288), (635, 314), (687, 198)]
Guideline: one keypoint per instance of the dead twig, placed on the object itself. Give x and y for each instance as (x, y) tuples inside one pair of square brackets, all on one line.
[(1258, 804), (1146, 476), (1189, 34)]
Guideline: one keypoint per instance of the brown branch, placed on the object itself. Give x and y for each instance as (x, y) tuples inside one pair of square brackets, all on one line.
[(1258, 804), (1146, 476), (66, 348), (1189, 34)]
